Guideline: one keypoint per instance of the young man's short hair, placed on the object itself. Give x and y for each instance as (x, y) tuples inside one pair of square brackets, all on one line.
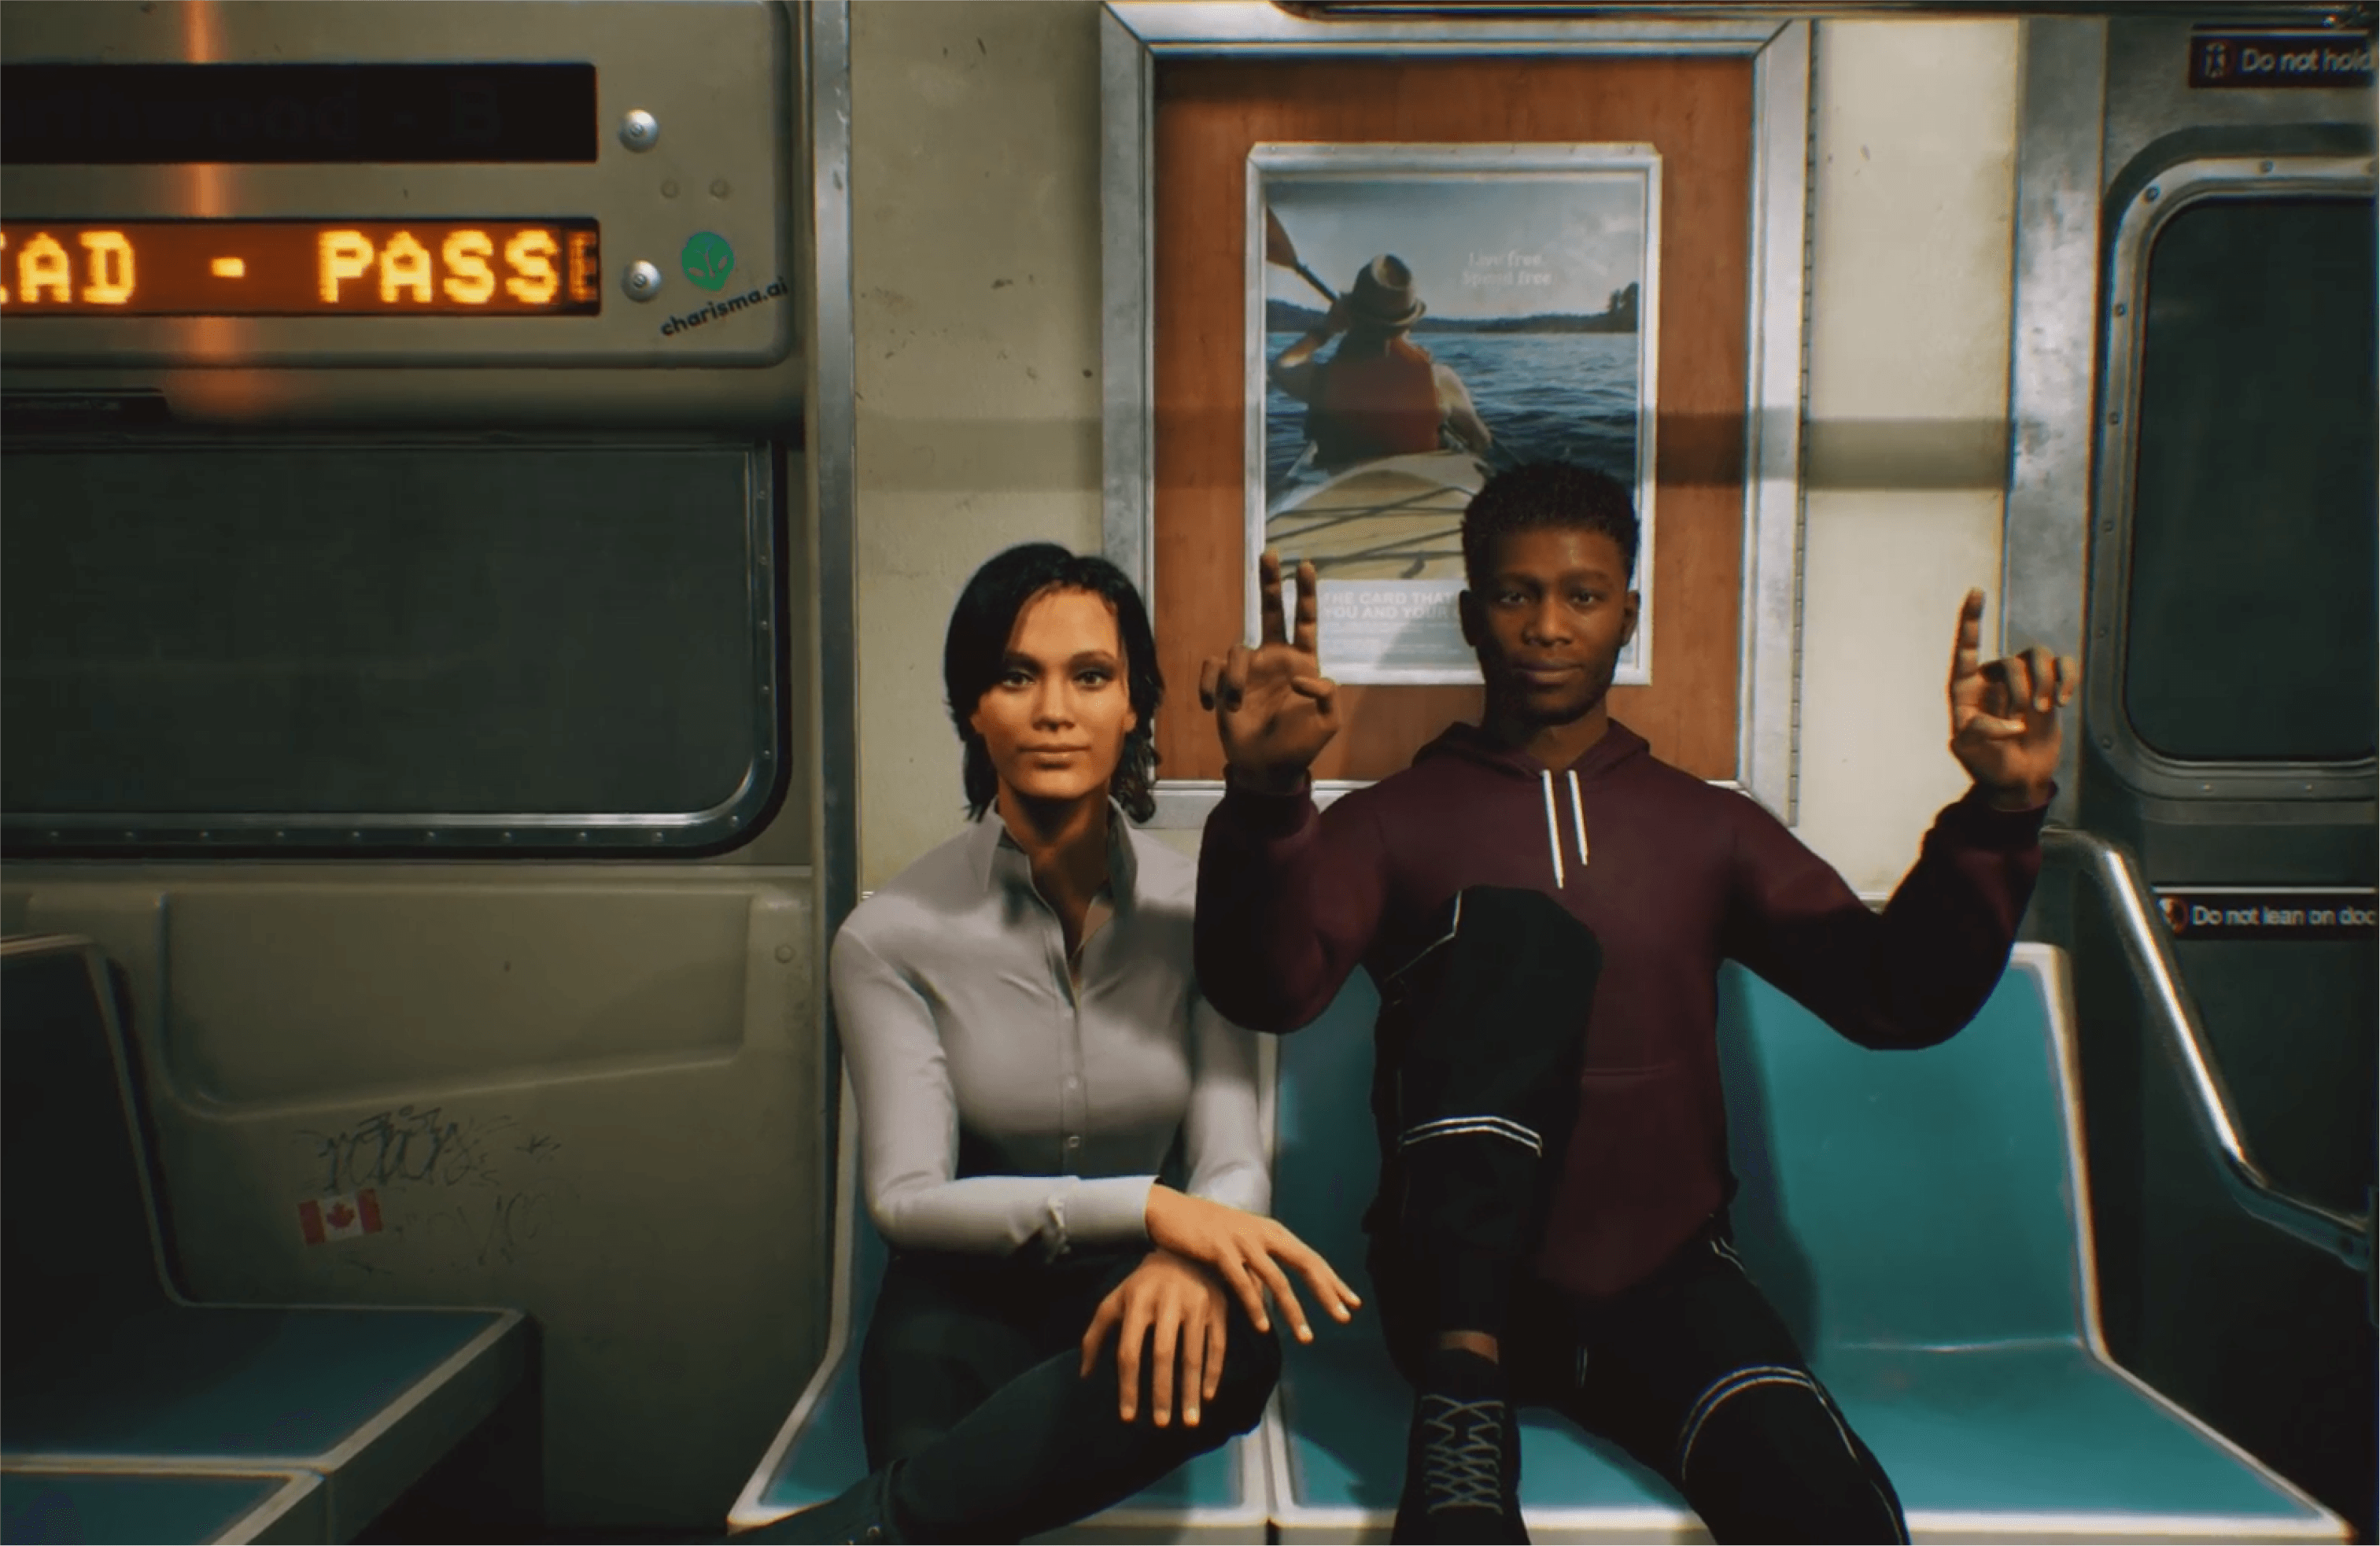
[(1547, 494)]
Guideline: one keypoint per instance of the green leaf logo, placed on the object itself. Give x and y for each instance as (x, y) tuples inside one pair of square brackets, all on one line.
[(707, 260)]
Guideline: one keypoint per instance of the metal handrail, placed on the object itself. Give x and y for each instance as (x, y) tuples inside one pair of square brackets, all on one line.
[(2345, 1235)]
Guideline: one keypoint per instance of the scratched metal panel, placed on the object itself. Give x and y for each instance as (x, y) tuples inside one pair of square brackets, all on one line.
[(498, 980), (2149, 98)]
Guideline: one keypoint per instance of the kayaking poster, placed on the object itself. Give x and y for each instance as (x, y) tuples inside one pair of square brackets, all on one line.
[(1420, 316)]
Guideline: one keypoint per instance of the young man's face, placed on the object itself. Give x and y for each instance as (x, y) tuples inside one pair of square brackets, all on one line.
[(1548, 620)]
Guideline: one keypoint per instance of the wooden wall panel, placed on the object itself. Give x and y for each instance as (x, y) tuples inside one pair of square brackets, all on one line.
[(1697, 113)]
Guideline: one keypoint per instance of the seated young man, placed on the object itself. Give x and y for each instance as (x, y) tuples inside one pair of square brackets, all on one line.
[(1545, 906)]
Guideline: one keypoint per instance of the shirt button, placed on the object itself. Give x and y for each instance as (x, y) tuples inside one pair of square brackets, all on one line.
[(1072, 1082), (1074, 1140)]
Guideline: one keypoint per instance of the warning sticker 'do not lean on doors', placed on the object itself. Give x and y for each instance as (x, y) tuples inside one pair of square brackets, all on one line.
[(2218, 914)]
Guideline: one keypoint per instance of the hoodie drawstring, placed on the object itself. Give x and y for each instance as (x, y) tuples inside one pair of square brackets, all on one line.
[(1553, 825), (1553, 828), (1578, 819)]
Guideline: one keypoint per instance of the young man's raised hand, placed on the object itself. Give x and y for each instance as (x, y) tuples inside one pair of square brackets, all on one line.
[(2004, 726), (1273, 707)]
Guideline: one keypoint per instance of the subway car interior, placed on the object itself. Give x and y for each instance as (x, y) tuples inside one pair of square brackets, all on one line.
[(483, 485)]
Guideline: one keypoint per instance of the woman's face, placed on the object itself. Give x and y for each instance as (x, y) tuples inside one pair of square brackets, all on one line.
[(1055, 722)]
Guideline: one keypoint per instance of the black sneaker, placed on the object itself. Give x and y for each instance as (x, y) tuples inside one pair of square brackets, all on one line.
[(1463, 1463), (863, 1514)]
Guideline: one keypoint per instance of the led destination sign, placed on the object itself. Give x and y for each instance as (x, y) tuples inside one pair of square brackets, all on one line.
[(283, 268), (167, 114)]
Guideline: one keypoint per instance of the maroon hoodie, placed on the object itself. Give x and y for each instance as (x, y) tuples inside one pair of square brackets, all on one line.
[(1672, 876)]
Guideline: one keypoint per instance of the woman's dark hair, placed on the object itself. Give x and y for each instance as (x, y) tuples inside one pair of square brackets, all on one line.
[(976, 651)]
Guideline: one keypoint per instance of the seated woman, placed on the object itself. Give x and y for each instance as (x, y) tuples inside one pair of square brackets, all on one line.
[(1059, 1133)]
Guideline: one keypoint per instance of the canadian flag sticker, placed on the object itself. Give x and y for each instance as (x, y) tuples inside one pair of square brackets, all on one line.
[(340, 1216)]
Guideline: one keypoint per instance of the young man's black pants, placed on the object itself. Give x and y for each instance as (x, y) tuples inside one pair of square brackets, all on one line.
[(1690, 1371), (968, 1379)]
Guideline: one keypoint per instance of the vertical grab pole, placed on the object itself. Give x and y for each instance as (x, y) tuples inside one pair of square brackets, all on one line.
[(830, 437), (2371, 1195)]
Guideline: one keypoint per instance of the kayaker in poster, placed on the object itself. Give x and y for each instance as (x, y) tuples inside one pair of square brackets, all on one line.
[(1380, 394)]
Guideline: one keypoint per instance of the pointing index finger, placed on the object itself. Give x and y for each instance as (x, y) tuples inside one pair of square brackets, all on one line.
[(1971, 630), (1965, 650)]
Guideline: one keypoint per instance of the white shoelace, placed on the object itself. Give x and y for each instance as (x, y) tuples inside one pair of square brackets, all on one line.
[(1463, 1460)]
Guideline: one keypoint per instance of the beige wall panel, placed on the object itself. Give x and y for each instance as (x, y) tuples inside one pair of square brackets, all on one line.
[(975, 139), (1909, 352), (1885, 570)]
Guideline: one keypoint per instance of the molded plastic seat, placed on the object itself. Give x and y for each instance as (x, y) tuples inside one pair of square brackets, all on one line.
[(106, 1367), (1218, 1496), (42, 1506), (1920, 1223)]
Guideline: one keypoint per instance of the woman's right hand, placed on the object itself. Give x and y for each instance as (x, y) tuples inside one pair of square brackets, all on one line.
[(1247, 1251)]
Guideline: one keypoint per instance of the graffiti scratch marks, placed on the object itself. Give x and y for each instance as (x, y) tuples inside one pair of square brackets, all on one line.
[(468, 1212), (498, 1236), (405, 1145)]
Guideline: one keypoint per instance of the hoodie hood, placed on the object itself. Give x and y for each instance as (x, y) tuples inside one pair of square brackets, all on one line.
[(1560, 788)]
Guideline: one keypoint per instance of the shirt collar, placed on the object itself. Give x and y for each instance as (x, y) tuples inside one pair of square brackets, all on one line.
[(996, 858)]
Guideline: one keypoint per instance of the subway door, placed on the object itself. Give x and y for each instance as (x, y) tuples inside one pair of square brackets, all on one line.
[(2229, 709)]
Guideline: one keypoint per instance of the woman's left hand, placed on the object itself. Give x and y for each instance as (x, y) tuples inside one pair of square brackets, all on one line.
[(1168, 1302)]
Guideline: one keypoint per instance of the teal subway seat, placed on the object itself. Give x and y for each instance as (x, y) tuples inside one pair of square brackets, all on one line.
[(116, 1383), (67, 1504), (1922, 1224), (1218, 1496)]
